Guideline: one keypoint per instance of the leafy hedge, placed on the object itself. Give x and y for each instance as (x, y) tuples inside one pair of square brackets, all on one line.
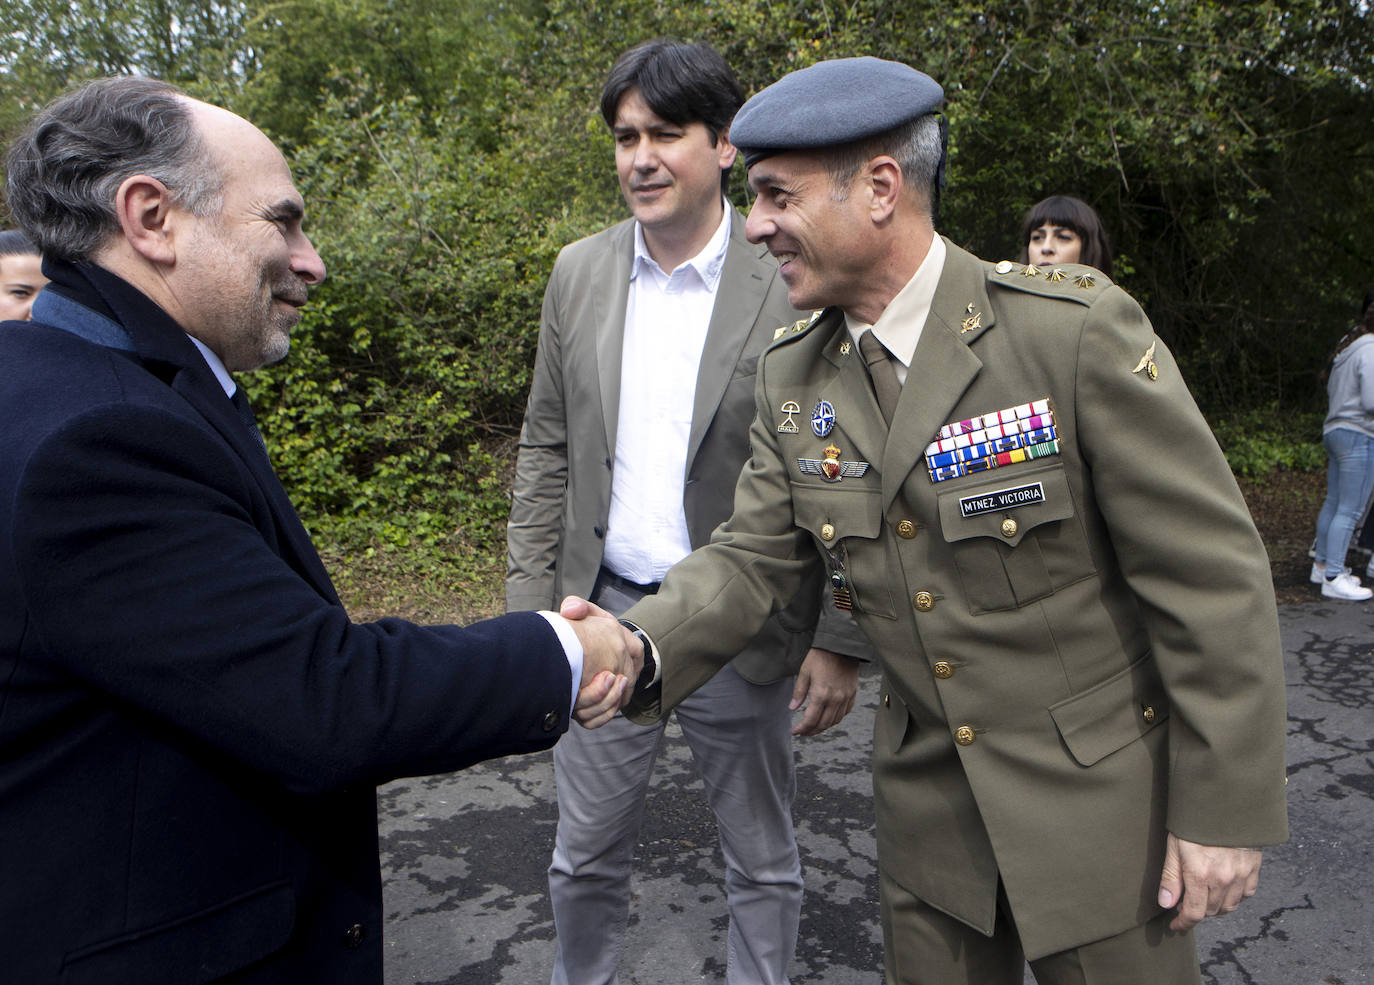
[(447, 151)]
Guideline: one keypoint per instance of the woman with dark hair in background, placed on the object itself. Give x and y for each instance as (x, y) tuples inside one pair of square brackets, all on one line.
[(21, 276), (1063, 229), (1348, 435)]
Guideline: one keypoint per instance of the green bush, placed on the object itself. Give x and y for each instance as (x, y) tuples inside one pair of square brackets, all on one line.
[(1258, 441)]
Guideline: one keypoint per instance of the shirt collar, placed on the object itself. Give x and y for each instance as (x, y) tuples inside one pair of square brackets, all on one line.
[(216, 366), (708, 264), (899, 326)]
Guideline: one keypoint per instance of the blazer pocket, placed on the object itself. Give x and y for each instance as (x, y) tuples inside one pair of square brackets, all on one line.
[(1112, 714), (995, 529), (196, 949), (854, 553)]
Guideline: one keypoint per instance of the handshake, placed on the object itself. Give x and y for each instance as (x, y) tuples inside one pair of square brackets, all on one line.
[(612, 658)]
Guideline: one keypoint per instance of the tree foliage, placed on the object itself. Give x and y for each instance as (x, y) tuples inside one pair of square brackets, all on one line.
[(446, 152)]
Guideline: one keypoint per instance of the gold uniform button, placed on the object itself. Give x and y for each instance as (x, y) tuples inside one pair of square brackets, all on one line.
[(923, 601), (943, 670), (1148, 713), (827, 531), (964, 735), (887, 701), (906, 530), (1009, 527), (1004, 267)]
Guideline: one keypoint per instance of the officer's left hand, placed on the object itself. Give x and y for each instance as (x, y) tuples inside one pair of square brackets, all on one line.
[(1204, 880), (826, 684)]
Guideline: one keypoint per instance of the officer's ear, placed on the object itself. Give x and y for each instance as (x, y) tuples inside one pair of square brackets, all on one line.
[(884, 183)]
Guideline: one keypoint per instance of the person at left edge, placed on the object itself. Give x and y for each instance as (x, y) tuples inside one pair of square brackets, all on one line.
[(191, 729), (21, 275)]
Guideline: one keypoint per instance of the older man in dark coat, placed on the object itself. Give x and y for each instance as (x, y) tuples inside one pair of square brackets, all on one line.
[(191, 729)]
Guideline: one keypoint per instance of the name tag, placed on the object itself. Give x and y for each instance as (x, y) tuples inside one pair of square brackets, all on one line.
[(1002, 499)]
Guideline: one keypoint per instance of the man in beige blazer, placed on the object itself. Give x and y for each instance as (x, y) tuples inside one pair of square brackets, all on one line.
[(1079, 751), (636, 430)]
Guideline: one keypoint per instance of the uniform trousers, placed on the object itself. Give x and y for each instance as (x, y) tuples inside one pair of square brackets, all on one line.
[(923, 946), (740, 737)]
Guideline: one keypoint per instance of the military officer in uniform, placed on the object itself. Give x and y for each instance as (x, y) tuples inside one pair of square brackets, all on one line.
[(1079, 749)]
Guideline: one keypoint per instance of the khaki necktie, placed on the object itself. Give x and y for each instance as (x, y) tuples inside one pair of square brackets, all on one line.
[(881, 372)]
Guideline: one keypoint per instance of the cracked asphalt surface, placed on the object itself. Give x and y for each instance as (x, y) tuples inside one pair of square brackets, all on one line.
[(464, 854)]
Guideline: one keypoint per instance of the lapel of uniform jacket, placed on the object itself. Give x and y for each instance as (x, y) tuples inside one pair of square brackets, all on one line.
[(941, 369), (744, 282), (609, 280), (159, 340), (850, 392)]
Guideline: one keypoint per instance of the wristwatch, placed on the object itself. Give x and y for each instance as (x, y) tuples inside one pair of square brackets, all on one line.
[(648, 674)]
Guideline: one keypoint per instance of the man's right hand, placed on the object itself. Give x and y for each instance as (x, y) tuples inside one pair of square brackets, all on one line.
[(611, 660)]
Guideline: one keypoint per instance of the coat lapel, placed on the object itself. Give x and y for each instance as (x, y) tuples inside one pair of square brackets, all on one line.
[(941, 369), (740, 297), (164, 347), (609, 279)]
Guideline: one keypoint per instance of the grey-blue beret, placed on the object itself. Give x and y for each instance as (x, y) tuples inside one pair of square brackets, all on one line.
[(832, 102)]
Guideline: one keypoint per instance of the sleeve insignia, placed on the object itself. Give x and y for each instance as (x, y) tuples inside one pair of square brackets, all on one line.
[(1147, 363)]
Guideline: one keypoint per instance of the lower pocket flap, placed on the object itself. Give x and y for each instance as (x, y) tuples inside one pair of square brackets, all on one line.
[(1112, 714), (196, 949)]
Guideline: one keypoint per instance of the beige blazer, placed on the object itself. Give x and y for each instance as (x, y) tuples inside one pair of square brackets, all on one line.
[(1068, 671), (562, 489)]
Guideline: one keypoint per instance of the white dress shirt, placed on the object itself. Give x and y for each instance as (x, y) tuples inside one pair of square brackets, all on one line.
[(899, 326), (666, 319)]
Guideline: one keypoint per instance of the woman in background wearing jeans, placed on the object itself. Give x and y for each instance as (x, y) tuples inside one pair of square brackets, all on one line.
[(1348, 435)]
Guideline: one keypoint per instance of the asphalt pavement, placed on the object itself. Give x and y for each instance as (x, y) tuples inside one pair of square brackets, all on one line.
[(464, 854)]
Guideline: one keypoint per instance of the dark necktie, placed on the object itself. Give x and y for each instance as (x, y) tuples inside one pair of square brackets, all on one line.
[(240, 402), (881, 371)]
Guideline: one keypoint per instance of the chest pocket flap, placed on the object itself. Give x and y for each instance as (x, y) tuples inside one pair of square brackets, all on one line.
[(847, 525), (989, 527)]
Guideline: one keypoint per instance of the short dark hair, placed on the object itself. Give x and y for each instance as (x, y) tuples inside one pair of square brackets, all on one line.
[(1078, 215), (64, 170), (14, 243), (683, 83)]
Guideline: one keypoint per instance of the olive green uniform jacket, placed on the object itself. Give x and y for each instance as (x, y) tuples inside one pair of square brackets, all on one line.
[(562, 491), (1067, 674)]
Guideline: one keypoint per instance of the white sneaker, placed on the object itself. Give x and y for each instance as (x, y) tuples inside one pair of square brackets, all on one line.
[(1318, 574), (1345, 586)]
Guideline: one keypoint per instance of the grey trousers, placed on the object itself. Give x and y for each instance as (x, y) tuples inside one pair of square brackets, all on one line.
[(740, 737)]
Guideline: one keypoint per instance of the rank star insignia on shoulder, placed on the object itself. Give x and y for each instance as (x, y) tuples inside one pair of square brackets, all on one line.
[(1081, 284), (801, 324)]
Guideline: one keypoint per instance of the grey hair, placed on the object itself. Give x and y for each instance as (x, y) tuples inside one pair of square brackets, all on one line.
[(66, 168), (917, 146)]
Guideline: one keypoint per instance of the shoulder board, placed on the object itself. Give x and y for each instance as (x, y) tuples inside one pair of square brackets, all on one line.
[(786, 333), (1070, 282)]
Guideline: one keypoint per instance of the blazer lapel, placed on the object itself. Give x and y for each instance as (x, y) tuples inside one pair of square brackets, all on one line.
[(941, 369), (744, 282), (609, 279)]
